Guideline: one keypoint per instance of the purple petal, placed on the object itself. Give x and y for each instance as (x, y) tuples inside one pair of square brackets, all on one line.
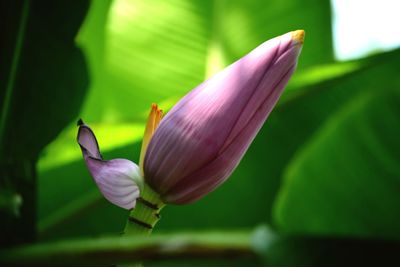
[(88, 142), (117, 179), (205, 180), (202, 139)]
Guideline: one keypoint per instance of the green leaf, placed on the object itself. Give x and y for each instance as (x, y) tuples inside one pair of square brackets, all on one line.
[(146, 52), (303, 251), (345, 179), (46, 78), (303, 110), (43, 79), (245, 24), (141, 52)]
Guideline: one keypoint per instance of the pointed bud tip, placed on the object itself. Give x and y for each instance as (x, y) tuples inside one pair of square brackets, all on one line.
[(79, 122), (298, 36)]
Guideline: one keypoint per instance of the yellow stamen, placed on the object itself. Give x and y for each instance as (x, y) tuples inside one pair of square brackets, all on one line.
[(153, 120)]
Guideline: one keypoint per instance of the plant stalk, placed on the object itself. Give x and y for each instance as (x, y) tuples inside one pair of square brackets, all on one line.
[(226, 245), (144, 216)]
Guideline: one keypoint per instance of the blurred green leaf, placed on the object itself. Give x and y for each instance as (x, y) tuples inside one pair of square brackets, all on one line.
[(301, 113), (147, 52), (43, 80), (301, 251), (47, 76), (345, 179), (245, 24), (142, 52)]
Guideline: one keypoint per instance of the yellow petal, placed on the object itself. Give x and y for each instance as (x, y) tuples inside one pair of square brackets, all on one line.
[(153, 120)]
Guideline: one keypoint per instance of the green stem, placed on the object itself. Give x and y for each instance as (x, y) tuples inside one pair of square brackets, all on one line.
[(145, 215), (102, 251)]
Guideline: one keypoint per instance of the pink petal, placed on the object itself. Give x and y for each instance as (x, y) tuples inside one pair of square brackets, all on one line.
[(117, 179), (88, 142), (205, 180), (114, 178), (202, 139)]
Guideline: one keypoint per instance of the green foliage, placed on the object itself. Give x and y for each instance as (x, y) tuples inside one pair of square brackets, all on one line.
[(344, 181), (46, 78), (318, 105), (43, 79), (323, 171)]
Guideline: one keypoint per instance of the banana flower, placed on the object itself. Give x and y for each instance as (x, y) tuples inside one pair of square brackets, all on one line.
[(202, 139)]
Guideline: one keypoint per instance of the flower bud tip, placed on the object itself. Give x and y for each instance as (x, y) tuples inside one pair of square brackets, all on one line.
[(79, 122), (298, 36)]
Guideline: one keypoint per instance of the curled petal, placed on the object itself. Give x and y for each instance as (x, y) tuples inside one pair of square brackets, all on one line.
[(88, 142), (118, 179)]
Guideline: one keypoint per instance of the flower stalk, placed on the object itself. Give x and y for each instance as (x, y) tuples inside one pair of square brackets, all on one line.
[(146, 214)]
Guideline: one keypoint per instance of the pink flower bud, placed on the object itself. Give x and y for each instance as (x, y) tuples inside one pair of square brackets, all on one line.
[(203, 138)]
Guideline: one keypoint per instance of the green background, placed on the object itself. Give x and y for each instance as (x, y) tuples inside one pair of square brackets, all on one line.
[(325, 166)]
